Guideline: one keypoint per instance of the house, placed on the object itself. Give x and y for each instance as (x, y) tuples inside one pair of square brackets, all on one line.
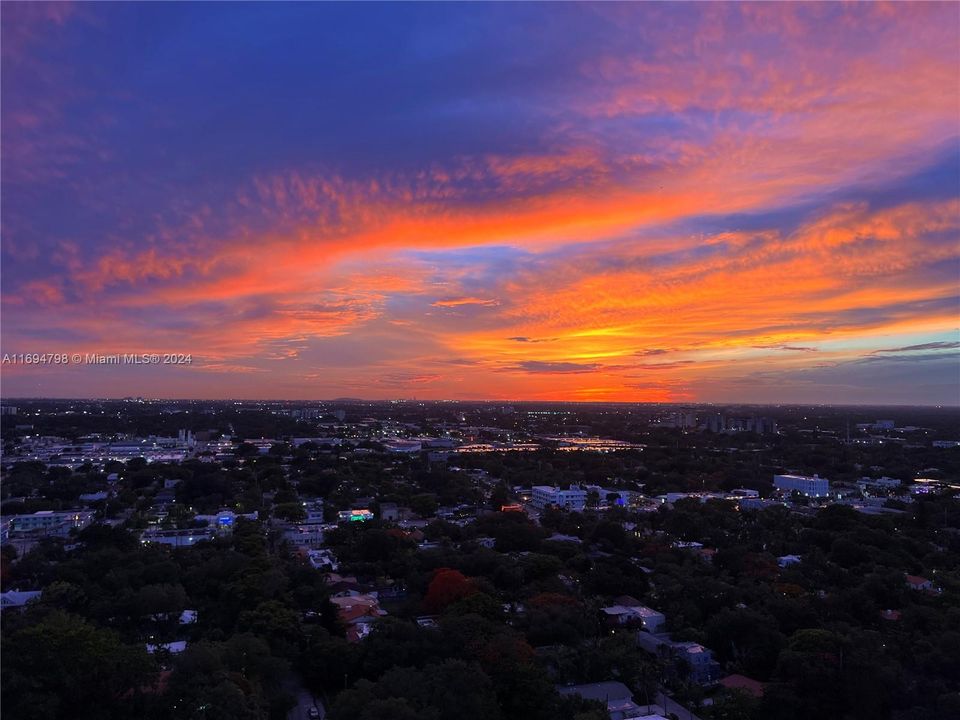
[(352, 608), (357, 632), (359, 613), (346, 587), (618, 614), (323, 559), (351, 590), (188, 617), (689, 658), (915, 582), (616, 696), (634, 616), (751, 687), (703, 668), (305, 536), (391, 591), (17, 599)]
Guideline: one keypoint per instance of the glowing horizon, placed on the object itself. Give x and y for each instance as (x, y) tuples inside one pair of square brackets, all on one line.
[(754, 203)]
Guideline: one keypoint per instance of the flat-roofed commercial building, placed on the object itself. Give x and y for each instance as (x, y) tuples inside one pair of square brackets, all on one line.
[(574, 498), (815, 486)]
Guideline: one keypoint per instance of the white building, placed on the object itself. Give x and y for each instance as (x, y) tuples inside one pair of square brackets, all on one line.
[(573, 499), (304, 536), (815, 486), (323, 559), (51, 522)]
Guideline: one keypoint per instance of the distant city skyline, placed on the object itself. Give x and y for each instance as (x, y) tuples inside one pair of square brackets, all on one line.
[(11, 401), (752, 203)]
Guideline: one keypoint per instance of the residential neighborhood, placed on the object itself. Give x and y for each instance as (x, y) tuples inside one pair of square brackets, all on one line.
[(654, 571)]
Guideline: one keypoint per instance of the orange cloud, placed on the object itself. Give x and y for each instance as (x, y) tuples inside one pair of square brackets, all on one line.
[(460, 301)]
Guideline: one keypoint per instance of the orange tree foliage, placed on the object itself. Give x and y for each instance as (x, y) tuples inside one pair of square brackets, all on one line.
[(447, 587)]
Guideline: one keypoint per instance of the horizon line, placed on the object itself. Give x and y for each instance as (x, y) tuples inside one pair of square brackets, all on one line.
[(941, 406)]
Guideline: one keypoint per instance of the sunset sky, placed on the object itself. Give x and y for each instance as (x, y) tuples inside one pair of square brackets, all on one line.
[(636, 202)]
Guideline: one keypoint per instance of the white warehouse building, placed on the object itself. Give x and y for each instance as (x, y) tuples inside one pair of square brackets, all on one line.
[(815, 486)]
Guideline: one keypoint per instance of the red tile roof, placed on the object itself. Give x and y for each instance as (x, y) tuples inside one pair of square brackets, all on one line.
[(742, 682)]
